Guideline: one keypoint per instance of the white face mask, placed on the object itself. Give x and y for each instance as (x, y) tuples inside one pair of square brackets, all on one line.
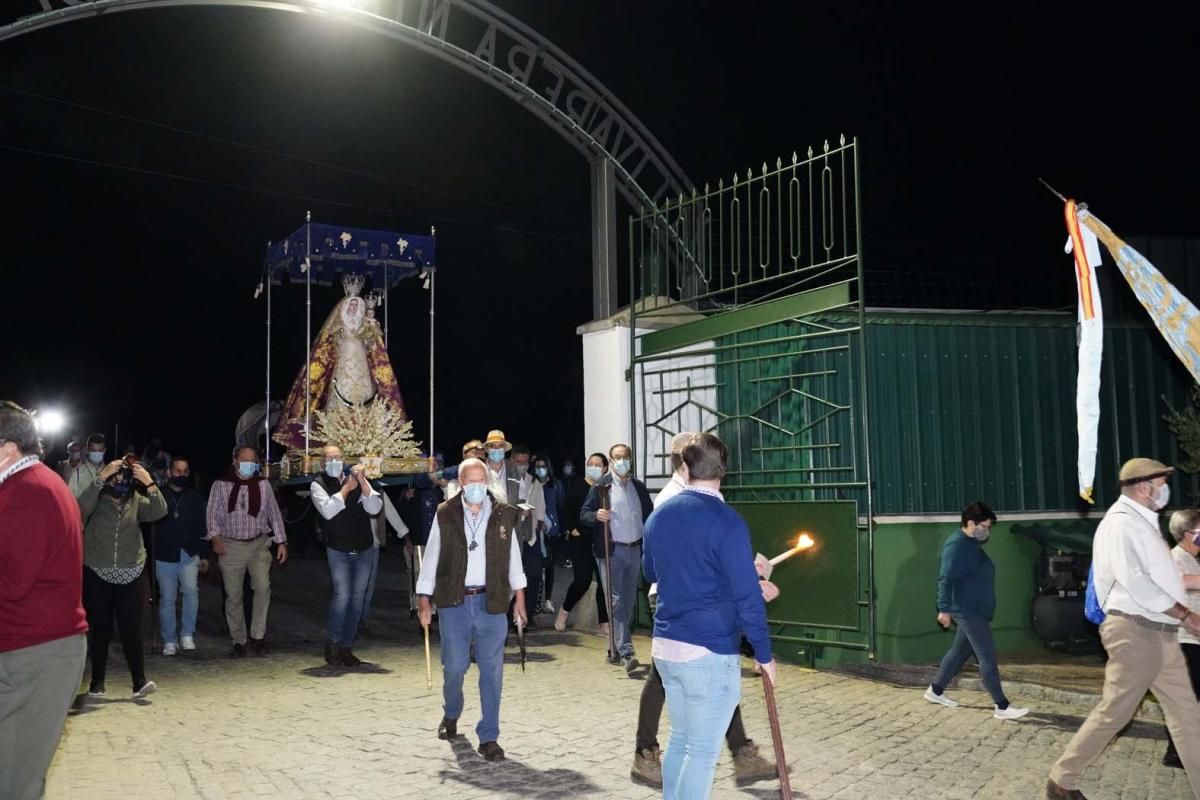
[(1161, 498)]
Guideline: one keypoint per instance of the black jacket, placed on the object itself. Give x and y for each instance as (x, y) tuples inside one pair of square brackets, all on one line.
[(183, 526)]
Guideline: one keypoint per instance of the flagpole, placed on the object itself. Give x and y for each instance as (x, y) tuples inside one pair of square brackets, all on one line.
[(1053, 191)]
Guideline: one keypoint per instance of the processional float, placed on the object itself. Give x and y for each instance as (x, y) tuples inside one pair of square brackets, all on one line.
[(346, 391)]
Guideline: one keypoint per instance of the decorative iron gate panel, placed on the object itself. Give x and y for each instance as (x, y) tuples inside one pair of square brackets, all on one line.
[(740, 326)]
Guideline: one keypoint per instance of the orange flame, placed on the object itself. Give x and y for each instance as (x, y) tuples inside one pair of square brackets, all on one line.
[(804, 542)]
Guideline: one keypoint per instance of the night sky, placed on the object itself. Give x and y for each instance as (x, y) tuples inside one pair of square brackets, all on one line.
[(149, 156)]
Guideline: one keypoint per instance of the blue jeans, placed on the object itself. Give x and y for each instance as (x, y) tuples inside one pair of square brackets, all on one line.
[(459, 627), (173, 579), (350, 573), (973, 634), (701, 697), (626, 572), (366, 612)]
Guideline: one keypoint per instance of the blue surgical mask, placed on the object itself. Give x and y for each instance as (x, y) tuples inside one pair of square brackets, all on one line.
[(495, 456), (475, 492), (96, 456), (333, 468), (594, 473), (246, 469), (542, 472), (118, 489), (621, 467)]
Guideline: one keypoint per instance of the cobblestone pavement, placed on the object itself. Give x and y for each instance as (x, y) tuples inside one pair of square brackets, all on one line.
[(289, 726)]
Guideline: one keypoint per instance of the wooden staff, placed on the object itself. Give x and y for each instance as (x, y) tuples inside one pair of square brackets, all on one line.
[(781, 767), (612, 627), (428, 657), (428, 662)]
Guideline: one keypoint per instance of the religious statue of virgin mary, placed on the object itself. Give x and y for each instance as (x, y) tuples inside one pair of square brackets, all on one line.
[(349, 366)]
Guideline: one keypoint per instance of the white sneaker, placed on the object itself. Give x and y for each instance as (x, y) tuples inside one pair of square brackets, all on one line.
[(147, 688), (169, 649), (187, 643), (940, 699), (1012, 712), (548, 606)]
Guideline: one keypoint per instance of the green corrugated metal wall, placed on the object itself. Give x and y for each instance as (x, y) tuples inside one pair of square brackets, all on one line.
[(967, 406), (983, 406)]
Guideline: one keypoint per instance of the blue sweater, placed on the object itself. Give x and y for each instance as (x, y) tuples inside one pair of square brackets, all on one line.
[(698, 551), (967, 579)]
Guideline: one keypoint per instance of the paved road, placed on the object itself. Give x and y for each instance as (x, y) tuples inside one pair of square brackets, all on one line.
[(288, 726)]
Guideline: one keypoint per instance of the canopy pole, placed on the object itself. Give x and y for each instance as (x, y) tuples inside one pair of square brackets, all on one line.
[(267, 421), (386, 282), (432, 281), (307, 336)]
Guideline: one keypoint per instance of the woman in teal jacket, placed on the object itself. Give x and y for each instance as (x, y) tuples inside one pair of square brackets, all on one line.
[(966, 595)]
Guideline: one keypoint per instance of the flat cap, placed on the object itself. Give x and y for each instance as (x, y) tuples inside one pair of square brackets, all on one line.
[(1142, 469)]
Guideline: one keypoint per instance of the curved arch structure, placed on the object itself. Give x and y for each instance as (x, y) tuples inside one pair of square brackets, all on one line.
[(482, 40)]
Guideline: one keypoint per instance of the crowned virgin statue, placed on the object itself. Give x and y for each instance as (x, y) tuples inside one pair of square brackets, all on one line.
[(349, 367)]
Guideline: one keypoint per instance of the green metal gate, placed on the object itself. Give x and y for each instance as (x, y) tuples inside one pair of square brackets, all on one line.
[(739, 326)]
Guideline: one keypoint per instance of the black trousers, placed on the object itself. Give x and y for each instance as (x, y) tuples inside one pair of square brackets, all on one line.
[(554, 555), (650, 713), (1191, 652), (531, 561), (103, 601), (584, 565)]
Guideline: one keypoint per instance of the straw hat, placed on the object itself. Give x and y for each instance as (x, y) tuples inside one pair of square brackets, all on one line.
[(497, 437), (474, 444), (1142, 469)]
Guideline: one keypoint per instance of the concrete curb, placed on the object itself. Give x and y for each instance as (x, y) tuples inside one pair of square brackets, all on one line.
[(1148, 710)]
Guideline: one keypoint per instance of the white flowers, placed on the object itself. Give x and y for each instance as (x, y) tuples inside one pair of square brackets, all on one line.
[(375, 429)]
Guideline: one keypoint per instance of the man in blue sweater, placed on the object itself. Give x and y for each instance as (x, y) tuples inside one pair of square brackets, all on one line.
[(966, 594), (697, 549)]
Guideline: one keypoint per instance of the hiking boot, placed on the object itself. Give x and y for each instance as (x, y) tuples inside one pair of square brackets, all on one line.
[(491, 751), (749, 766), (331, 653), (447, 728), (647, 767), (348, 658)]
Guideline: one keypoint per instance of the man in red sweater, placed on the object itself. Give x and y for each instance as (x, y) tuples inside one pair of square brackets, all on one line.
[(42, 622)]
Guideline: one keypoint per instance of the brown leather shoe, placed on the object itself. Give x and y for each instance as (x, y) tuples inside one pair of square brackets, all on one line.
[(348, 657), (260, 647), (491, 751), (447, 728), (1056, 792)]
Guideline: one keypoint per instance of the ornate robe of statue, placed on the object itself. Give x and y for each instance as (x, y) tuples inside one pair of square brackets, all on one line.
[(350, 366)]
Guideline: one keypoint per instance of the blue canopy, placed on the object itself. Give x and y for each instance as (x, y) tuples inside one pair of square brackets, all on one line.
[(380, 255)]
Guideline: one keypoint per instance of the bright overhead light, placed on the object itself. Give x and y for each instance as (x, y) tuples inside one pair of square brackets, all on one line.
[(51, 422)]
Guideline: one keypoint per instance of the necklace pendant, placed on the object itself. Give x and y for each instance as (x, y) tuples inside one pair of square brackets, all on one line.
[(473, 545)]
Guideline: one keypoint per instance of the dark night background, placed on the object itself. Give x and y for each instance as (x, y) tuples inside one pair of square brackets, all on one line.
[(149, 156)]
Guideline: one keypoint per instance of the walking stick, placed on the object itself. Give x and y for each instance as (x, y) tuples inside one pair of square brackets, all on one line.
[(428, 658), (781, 767), (612, 618), (428, 661)]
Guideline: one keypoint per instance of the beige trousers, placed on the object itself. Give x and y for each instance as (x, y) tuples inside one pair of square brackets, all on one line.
[(1138, 659), (239, 557)]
